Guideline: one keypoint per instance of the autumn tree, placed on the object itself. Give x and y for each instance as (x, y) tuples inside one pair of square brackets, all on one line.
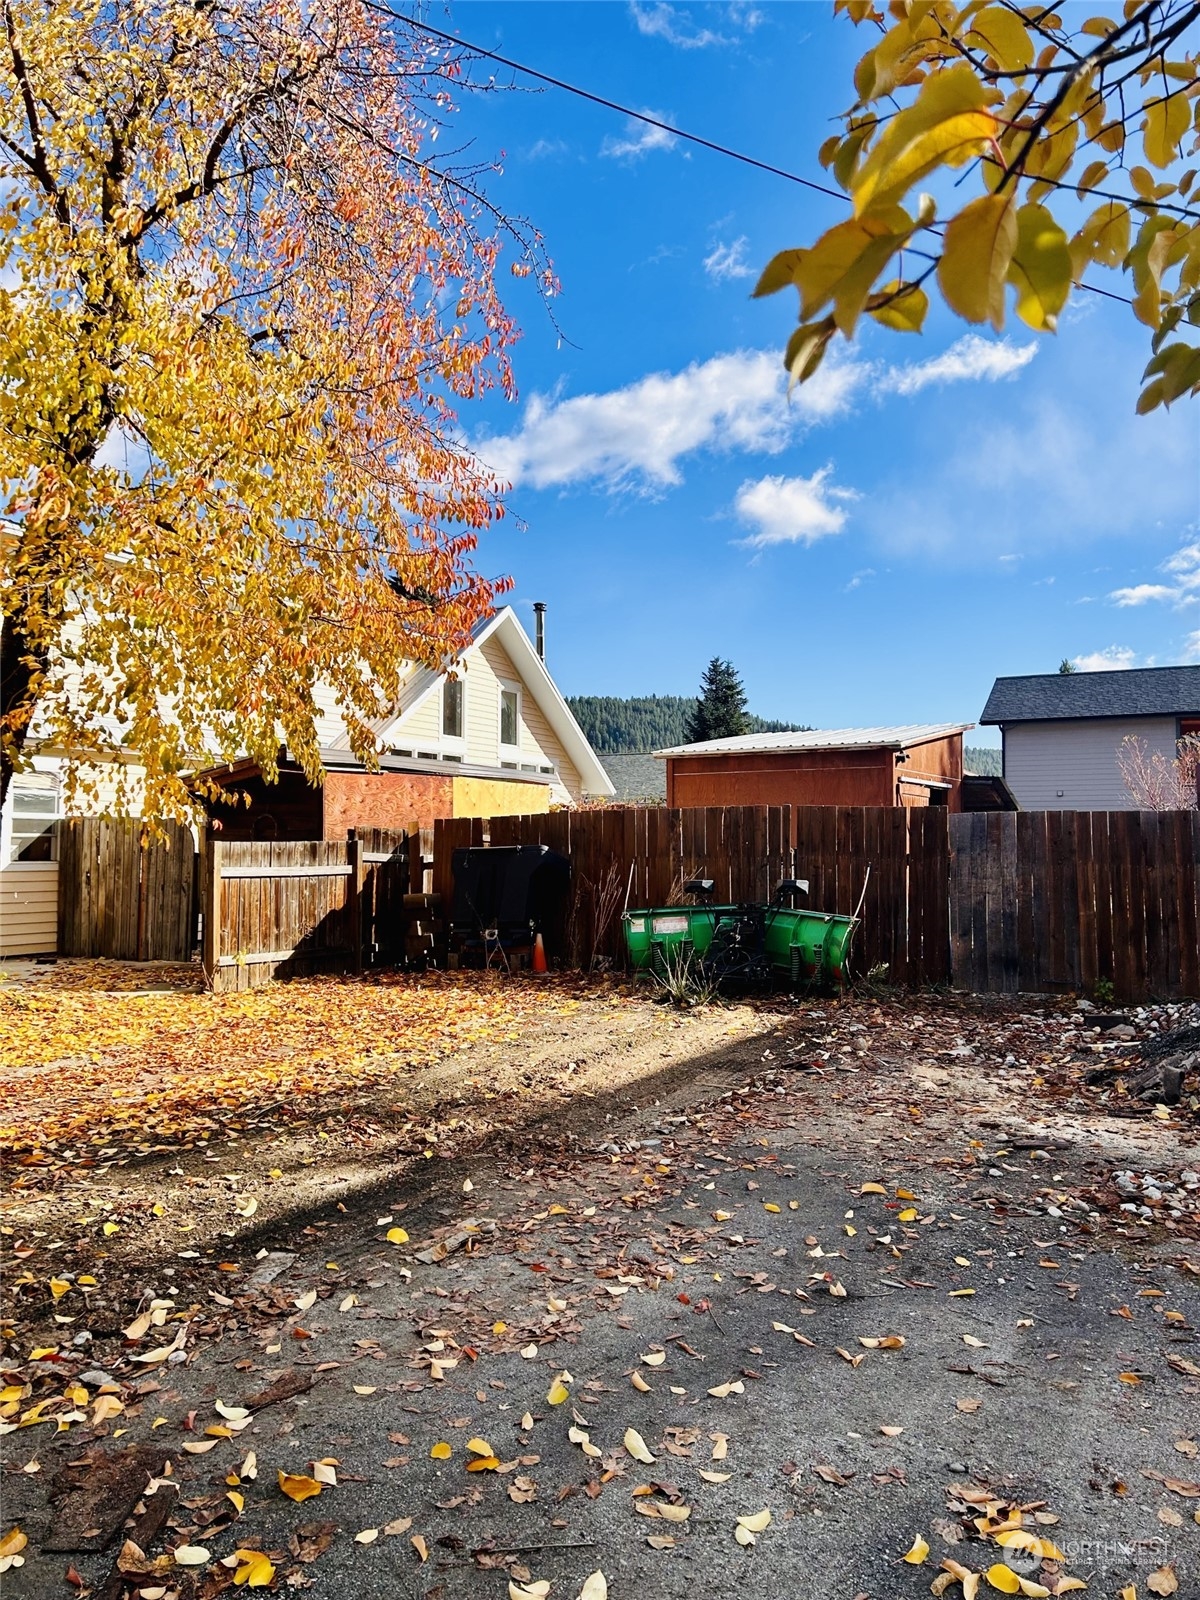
[(1159, 783), (239, 304), (1071, 131), (721, 708)]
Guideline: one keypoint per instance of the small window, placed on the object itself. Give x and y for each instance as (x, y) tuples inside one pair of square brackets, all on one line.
[(34, 797), (510, 718), (452, 708)]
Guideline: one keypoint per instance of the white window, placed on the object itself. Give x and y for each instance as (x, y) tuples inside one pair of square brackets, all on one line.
[(33, 804), (510, 720), (452, 709)]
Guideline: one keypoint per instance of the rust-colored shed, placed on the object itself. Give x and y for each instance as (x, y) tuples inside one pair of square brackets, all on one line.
[(917, 765)]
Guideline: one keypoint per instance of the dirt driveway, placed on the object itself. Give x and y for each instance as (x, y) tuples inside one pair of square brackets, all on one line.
[(861, 1266)]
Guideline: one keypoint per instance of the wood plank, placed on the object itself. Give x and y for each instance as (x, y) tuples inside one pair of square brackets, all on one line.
[(1125, 965), (1188, 902)]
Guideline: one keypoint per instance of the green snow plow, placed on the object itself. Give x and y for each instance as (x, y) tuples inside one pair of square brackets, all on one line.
[(743, 944)]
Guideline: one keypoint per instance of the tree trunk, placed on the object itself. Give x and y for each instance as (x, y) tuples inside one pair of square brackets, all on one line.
[(20, 667)]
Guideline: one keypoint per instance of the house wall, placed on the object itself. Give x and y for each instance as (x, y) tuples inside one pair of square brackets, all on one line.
[(483, 670), (29, 908), (407, 800), (940, 759), (781, 778), (1072, 766), (492, 797)]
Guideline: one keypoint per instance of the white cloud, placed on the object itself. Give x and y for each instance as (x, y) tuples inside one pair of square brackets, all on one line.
[(859, 578), (541, 148), (792, 510), (1191, 649), (968, 360), (1182, 589), (728, 261), (641, 432), (640, 138), (659, 20), (1116, 658)]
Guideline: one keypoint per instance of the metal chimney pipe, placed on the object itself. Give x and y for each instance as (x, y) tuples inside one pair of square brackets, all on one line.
[(539, 614)]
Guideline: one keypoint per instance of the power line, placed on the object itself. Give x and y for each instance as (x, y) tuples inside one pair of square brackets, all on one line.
[(609, 105), (650, 121)]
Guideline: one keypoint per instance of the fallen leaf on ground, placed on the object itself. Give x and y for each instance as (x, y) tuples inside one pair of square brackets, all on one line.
[(191, 1555), (636, 1446), (297, 1486), (1162, 1581), (918, 1552)]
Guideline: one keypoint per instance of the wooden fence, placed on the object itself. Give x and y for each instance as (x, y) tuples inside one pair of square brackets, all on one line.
[(125, 893), (286, 908), (1055, 901), (993, 902)]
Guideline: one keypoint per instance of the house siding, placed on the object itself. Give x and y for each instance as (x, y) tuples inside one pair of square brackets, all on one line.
[(1072, 766), (29, 908)]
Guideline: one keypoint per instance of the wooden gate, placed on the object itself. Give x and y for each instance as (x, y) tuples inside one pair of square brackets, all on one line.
[(125, 896)]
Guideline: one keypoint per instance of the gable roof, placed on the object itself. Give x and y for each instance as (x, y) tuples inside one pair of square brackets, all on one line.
[(822, 739), (1057, 696), (505, 627)]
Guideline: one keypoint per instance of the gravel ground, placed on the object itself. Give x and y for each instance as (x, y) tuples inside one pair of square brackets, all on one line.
[(711, 1212)]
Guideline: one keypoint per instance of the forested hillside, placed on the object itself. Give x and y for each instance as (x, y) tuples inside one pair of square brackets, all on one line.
[(645, 722), (982, 760)]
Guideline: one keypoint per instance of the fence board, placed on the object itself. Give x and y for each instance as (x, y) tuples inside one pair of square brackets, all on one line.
[(125, 894)]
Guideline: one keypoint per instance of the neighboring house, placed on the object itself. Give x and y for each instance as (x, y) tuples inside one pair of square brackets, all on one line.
[(495, 738), (1062, 732), (919, 765), (492, 737)]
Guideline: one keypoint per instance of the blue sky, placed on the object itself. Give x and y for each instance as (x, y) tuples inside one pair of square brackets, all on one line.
[(932, 511)]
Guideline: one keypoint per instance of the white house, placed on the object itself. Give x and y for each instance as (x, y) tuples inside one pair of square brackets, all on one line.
[(488, 737), (1062, 732)]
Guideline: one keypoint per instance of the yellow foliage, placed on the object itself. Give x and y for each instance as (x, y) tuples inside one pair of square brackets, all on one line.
[(1039, 110), (226, 425)]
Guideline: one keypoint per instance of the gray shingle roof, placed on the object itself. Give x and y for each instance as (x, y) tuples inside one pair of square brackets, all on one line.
[(1054, 696)]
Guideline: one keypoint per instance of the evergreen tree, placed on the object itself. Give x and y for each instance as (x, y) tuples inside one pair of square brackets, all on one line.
[(721, 710), (1066, 665)]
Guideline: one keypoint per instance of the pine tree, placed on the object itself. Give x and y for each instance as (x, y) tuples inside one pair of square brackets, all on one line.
[(1066, 665), (721, 710)]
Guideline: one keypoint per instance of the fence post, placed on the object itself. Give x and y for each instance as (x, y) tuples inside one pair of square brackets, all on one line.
[(210, 908), (354, 889)]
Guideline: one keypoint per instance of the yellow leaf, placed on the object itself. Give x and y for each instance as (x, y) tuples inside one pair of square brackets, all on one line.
[(1166, 123), (297, 1486), (86, 1279), (191, 1555), (909, 1214), (904, 308), (872, 1188), (484, 1464), (418, 1543), (254, 1569), (499, 1327), (1003, 1578), (1040, 268), (13, 1542), (480, 1447), (238, 1500), (639, 1382), (557, 1393), (976, 251), (946, 125), (920, 1549), (441, 1451), (396, 1236), (595, 1587), (655, 1358), (366, 1536), (1068, 1585), (769, 1205), (756, 1522), (1004, 36), (59, 1287), (110, 1228), (636, 1446)]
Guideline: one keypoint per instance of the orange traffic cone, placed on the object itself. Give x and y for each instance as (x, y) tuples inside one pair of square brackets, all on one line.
[(539, 955)]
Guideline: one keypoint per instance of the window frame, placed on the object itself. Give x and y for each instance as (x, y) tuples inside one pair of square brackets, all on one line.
[(507, 686), (453, 742), (52, 788)]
